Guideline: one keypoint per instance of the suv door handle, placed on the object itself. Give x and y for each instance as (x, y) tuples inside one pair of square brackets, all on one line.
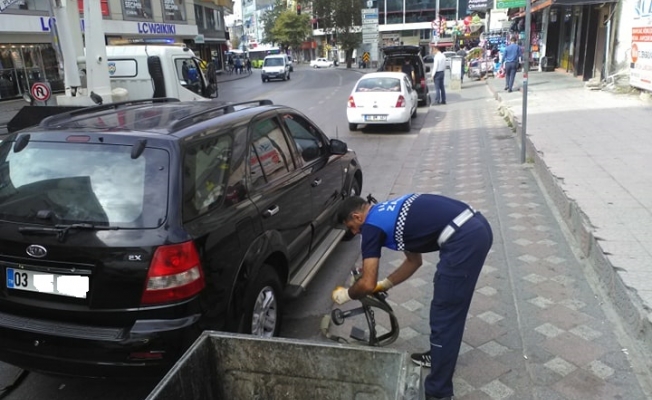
[(272, 210), (316, 182)]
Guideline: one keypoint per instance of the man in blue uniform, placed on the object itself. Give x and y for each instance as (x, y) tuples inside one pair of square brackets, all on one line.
[(415, 224)]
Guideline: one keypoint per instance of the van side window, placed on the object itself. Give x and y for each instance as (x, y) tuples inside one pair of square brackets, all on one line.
[(188, 73), (270, 156), (306, 136)]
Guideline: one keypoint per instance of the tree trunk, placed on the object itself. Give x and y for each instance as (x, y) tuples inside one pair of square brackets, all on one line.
[(349, 54)]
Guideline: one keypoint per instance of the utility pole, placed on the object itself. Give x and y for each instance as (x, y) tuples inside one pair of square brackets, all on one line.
[(526, 70)]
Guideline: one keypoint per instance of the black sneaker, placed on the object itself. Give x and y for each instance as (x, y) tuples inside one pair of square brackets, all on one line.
[(422, 359)]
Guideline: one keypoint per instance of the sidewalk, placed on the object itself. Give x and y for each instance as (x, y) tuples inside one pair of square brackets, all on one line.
[(593, 151), (539, 327)]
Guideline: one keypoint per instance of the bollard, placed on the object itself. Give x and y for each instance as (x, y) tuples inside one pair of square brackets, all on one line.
[(456, 73)]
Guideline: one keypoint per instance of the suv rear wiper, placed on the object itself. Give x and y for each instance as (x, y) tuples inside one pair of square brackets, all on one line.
[(62, 230)]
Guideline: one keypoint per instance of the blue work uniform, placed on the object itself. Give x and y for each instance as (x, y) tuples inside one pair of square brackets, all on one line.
[(414, 223)]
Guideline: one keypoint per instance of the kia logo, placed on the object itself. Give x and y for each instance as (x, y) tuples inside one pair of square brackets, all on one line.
[(36, 251)]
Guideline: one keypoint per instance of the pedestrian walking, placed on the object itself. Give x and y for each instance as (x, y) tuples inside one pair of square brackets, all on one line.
[(248, 64), (462, 52), (438, 72), (238, 65), (415, 224), (511, 59)]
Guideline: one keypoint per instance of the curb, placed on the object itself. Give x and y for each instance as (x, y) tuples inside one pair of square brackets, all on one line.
[(628, 305)]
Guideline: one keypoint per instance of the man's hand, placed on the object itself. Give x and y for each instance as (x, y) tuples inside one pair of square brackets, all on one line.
[(383, 286), (340, 295)]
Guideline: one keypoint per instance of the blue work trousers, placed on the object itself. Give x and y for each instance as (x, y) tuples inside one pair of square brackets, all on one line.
[(460, 261)]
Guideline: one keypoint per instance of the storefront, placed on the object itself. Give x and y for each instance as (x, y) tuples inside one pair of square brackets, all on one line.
[(27, 54)]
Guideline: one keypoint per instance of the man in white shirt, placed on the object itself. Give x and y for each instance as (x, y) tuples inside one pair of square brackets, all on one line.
[(438, 71)]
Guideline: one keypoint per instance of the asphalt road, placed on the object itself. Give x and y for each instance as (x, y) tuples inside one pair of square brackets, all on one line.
[(321, 94)]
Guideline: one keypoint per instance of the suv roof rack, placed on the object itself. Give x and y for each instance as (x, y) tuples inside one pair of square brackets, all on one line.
[(225, 108), (54, 119)]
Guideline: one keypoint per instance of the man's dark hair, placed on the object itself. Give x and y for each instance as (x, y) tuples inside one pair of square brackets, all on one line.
[(349, 205)]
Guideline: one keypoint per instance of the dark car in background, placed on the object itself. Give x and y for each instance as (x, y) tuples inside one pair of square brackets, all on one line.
[(127, 229), (393, 60)]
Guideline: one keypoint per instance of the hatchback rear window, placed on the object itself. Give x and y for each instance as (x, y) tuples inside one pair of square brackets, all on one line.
[(99, 184), (379, 85)]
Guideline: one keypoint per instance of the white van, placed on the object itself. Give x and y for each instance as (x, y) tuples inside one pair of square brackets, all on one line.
[(276, 66), (155, 71)]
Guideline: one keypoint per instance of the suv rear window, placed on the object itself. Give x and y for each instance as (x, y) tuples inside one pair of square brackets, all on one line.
[(100, 184)]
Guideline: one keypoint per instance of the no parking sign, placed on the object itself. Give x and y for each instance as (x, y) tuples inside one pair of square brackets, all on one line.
[(41, 91)]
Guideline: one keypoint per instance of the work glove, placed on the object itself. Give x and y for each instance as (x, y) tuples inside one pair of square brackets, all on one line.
[(383, 286), (340, 295)]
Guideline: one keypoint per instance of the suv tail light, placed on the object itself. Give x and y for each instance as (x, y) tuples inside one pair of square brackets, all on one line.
[(400, 102), (423, 83), (351, 102), (174, 274)]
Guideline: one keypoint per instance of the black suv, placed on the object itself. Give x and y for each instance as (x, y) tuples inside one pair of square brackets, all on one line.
[(127, 229), (394, 58)]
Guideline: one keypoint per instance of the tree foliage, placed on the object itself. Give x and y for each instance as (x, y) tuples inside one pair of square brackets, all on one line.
[(338, 17), (290, 29), (284, 27)]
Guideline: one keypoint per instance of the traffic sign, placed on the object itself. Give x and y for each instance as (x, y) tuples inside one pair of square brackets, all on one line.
[(365, 56), (41, 91)]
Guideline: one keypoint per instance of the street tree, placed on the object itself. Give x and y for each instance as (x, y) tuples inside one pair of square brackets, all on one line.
[(338, 18), (290, 29), (268, 21)]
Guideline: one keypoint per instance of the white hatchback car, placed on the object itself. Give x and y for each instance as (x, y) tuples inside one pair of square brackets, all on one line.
[(321, 63), (382, 98)]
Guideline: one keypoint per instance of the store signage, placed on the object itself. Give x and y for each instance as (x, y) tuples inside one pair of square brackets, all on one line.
[(640, 72), (153, 28), (145, 28), (138, 8), (174, 10), (509, 4), (478, 5)]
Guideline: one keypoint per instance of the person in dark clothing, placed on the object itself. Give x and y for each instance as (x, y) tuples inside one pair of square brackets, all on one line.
[(422, 223), (408, 70), (462, 53)]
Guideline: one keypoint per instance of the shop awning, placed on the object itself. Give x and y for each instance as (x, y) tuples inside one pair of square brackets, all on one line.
[(539, 5)]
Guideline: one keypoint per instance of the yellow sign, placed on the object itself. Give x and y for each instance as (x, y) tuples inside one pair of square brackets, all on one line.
[(365, 56)]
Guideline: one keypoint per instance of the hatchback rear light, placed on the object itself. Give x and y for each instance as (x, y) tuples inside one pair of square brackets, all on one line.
[(400, 102), (174, 274), (423, 83), (351, 102)]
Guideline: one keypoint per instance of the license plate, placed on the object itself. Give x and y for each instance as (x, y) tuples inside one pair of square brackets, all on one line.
[(42, 282), (375, 117)]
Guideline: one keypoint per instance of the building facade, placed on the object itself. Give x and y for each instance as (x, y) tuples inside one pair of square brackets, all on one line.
[(28, 53)]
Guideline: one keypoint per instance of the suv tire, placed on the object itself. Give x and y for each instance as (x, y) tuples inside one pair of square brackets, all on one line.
[(353, 127), (263, 304), (354, 191)]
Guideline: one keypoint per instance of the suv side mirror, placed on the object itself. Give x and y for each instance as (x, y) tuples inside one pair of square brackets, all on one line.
[(338, 147)]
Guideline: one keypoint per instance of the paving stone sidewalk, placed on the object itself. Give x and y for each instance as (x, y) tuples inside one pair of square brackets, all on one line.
[(537, 328)]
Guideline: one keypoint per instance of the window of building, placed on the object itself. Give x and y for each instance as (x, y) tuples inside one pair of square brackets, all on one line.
[(199, 17), (104, 5), (174, 10), (137, 9), (210, 18)]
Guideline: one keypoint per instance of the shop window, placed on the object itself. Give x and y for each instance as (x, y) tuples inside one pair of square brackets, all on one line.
[(174, 10), (22, 65), (137, 9)]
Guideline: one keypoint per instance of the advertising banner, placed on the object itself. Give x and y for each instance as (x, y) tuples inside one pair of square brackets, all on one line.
[(640, 75)]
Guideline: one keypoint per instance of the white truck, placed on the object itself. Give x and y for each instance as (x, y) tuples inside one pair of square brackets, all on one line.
[(100, 74)]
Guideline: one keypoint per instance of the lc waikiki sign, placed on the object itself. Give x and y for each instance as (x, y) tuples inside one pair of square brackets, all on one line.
[(143, 28)]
